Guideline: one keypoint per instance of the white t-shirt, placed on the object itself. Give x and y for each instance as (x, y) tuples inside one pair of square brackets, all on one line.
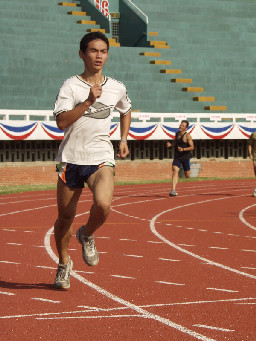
[(87, 141)]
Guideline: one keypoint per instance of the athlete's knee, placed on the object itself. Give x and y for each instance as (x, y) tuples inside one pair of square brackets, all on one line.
[(102, 205)]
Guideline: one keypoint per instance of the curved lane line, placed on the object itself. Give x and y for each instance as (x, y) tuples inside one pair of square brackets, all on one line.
[(241, 217), (153, 229), (115, 298)]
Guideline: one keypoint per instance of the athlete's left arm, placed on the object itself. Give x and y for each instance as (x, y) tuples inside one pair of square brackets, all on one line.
[(190, 143), (125, 122)]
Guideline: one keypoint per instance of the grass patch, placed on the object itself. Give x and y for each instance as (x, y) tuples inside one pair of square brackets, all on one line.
[(25, 188), (31, 188)]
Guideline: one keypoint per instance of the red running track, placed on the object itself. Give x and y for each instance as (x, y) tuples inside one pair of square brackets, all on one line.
[(180, 268)]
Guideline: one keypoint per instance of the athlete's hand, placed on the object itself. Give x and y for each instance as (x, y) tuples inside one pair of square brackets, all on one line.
[(123, 150), (168, 144), (95, 92), (180, 149)]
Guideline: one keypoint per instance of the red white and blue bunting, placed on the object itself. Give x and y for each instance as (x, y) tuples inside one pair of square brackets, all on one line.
[(144, 127)]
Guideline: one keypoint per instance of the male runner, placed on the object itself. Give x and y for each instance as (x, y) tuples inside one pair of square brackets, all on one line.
[(83, 109), (252, 154), (183, 146)]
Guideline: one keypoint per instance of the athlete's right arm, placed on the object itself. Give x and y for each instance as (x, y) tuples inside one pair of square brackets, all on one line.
[(66, 118), (250, 151)]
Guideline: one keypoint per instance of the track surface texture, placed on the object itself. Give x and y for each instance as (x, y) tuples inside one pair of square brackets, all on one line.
[(180, 268)]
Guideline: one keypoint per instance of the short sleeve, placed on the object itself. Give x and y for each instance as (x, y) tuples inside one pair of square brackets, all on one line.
[(64, 100), (124, 104)]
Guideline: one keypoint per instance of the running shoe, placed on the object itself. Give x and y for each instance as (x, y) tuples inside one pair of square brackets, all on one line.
[(254, 193), (62, 280), (89, 251), (173, 193)]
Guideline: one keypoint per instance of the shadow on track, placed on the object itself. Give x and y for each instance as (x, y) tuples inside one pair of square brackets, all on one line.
[(13, 285)]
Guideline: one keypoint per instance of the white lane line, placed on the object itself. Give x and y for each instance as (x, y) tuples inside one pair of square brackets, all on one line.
[(89, 309), (171, 283), (7, 293), (213, 328), (128, 240), (225, 290), (170, 260), (241, 217), (218, 247), (153, 242), (44, 300), (84, 272), (17, 244), (102, 237), (248, 250), (88, 317), (185, 245), (120, 300), (135, 256), (38, 246), (7, 262), (8, 230), (218, 232), (248, 267), (247, 303), (119, 276), (27, 210), (45, 267), (153, 229)]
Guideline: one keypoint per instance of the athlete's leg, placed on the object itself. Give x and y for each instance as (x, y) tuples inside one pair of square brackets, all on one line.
[(186, 167), (187, 174), (67, 199), (101, 183), (175, 176), (254, 167)]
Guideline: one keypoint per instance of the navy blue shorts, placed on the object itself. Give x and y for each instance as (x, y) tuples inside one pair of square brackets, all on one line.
[(76, 175), (184, 163)]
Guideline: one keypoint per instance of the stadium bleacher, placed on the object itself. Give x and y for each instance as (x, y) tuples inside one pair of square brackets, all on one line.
[(198, 58)]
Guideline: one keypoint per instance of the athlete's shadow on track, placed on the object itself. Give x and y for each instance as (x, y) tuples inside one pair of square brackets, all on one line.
[(12, 285)]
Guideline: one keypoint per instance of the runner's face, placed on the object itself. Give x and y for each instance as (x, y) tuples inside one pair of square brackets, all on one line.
[(183, 126), (95, 55)]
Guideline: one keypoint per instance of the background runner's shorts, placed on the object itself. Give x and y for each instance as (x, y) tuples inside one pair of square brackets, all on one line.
[(184, 163), (76, 175)]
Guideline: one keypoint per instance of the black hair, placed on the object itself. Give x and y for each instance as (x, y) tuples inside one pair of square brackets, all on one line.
[(92, 36), (185, 121)]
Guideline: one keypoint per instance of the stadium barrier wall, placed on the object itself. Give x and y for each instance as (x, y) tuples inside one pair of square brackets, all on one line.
[(44, 173)]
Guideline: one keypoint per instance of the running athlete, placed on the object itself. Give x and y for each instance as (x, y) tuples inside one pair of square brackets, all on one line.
[(83, 109), (183, 146), (252, 154)]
